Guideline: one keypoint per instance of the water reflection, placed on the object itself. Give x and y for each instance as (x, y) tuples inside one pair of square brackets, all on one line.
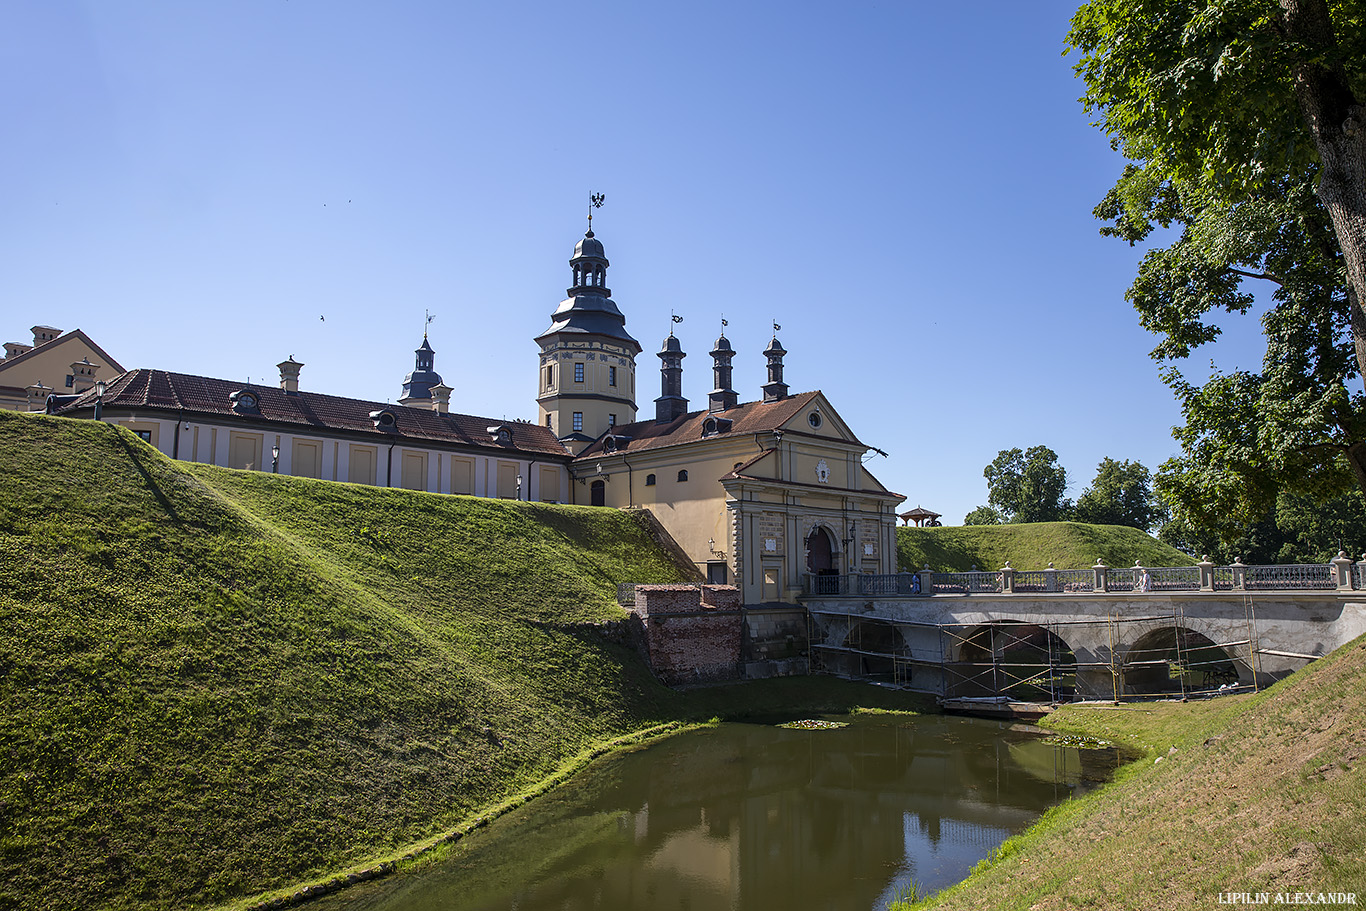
[(756, 817)]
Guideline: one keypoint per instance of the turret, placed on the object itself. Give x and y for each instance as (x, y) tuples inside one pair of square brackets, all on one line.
[(775, 389), (722, 397), (671, 405)]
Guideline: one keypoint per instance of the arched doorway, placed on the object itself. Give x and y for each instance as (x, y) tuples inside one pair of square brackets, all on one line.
[(820, 553), (598, 493)]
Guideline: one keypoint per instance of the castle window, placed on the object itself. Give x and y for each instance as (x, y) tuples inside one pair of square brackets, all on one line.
[(70, 381), (649, 480), (547, 421), (814, 419), (550, 374), (578, 372), (578, 421), (683, 476), (611, 420), (611, 376)]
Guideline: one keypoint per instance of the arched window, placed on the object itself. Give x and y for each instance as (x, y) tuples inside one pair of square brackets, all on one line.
[(649, 480), (682, 475)]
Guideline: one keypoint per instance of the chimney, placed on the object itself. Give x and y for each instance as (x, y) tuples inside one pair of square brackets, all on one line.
[(14, 349), (722, 397), (775, 390), (83, 375), (670, 405), (37, 396), (44, 334), (289, 375), (441, 398)]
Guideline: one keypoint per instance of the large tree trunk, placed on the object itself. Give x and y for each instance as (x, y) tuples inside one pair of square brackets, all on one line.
[(1337, 121)]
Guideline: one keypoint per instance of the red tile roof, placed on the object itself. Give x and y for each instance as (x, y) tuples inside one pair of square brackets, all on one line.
[(204, 396), (746, 418)]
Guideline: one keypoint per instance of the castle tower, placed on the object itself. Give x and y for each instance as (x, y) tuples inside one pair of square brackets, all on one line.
[(722, 397), (588, 360), (775, 390), (670, 405), (417, 386)]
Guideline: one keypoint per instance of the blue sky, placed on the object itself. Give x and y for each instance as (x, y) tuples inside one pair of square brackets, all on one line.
[(905, 187)]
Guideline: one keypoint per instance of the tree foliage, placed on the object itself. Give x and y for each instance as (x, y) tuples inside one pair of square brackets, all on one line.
[(1121, 494), (1238, 117), (1027, 486), (983, 515)]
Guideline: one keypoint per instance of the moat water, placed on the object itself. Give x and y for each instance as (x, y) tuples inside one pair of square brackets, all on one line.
[(756, 817)]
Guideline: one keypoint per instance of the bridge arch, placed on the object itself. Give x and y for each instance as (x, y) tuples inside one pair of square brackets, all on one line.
[(1172, 659), (1026, 661)]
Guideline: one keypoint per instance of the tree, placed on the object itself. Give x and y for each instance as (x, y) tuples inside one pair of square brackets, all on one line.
[(1027, 486), (1121, 494), (1244, 123), (1296, 529), (983, 515)]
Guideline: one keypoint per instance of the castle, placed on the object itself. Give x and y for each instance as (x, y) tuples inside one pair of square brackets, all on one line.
[(757, 494)]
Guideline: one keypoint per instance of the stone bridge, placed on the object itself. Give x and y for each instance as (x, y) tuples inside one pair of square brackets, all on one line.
[(1096, 633)]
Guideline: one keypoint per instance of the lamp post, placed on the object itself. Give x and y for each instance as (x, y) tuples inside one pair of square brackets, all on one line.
[(275, 459), (99, 399), (519, 485)]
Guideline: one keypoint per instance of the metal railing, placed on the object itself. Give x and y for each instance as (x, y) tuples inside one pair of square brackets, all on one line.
[(1076, 580), (1035, 580), (1279, 578), (894, 584), (966, 583), (1176, 578)]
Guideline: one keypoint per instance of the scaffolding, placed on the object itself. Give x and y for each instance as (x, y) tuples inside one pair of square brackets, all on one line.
[(1146, 657)]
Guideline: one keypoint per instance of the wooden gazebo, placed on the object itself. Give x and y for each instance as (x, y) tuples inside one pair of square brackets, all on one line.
[(920, 516)]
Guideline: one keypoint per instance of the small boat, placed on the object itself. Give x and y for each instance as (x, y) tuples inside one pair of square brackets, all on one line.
[(1000, 707)]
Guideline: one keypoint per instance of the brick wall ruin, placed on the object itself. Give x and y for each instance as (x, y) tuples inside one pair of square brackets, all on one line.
[(693, 633)]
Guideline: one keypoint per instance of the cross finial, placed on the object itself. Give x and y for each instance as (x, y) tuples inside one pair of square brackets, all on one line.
[(595, 201)]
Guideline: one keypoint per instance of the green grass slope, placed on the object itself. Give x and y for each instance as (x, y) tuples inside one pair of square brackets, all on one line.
[(217, 682), (1067, 545), (1263, 793)]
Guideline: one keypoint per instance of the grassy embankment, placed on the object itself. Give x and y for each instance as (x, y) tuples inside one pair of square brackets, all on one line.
[(214, 683), (1255, 793), (1067, 545)]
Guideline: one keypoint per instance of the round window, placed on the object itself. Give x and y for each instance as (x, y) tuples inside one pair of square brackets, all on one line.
[(814, 419)]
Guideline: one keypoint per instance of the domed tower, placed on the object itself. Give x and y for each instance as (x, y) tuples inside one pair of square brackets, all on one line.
[(588, 359), (417, 386)]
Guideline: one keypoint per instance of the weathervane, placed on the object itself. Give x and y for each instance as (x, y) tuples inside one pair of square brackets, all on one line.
[(595, 201), (674, 318), (724, 323), (430, 316), (776, 327)]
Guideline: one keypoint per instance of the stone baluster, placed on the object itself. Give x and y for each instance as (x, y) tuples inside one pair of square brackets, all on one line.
[(1239, 575), (1007, 579), (1050, 576)]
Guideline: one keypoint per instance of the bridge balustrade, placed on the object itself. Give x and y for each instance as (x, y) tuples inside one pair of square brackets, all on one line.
[(1342, 574)]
